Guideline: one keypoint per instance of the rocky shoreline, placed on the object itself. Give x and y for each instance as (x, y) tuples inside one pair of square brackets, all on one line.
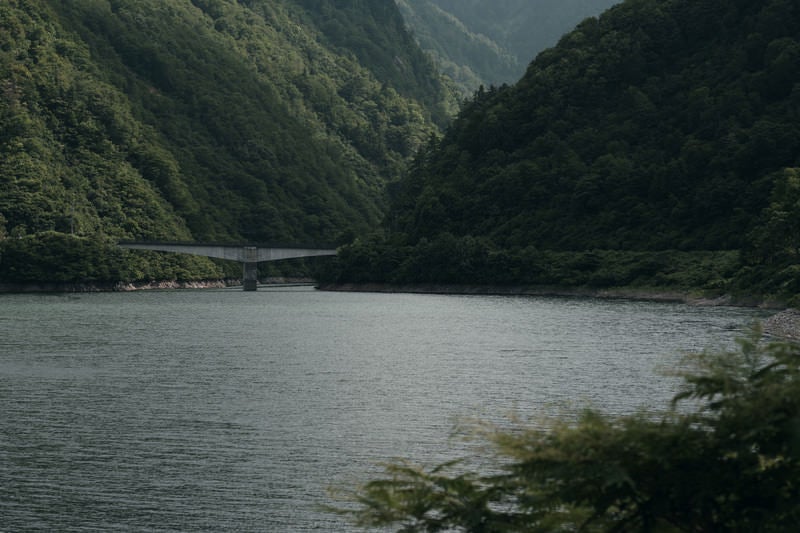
[(784, 324), (110, 286), (124, 286)]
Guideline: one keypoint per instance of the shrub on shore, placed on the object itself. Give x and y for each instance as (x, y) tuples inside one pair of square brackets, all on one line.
[(725, 457)]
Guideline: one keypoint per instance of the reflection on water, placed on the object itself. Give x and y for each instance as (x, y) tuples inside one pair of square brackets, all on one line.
[(224, 410)]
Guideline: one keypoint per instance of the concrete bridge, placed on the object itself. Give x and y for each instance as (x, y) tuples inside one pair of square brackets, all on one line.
[(247, 254)]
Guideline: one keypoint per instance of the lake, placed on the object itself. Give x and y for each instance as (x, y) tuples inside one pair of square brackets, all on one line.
[(223, 410)]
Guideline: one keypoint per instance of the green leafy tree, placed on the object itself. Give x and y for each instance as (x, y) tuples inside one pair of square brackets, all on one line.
[(777, 238), (726, 457)]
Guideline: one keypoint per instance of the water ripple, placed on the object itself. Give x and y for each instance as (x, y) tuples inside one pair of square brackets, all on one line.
[(219, 411)]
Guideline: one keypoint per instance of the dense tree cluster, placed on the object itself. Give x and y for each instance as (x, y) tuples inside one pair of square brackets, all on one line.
[(204, 119), (52, 257), (661, 125), (376, 33), (466, 260), (651, 127)]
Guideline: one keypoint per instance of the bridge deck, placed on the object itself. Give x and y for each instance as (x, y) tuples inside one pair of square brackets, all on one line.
[(248, 254), (243, 253)]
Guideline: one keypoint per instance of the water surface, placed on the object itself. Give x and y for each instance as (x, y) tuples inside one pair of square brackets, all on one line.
[(221, 410)]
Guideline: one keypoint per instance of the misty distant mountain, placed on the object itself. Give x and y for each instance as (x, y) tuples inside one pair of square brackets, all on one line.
[(491, 42)]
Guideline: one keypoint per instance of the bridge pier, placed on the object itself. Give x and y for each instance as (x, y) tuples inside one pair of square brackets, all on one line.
[(250, 277), (250, 271)]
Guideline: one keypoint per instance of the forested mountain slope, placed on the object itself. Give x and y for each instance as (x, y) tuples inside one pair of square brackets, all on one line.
[(205, 119), (490, 42), (376, 33), (661, 125)]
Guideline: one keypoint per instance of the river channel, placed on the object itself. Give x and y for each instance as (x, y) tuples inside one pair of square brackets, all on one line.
[(222, 410)]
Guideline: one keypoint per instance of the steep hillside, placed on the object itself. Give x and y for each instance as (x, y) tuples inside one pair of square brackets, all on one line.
[(376, 33), (469, 59), (661, 125), (204, 119), (491, 42)]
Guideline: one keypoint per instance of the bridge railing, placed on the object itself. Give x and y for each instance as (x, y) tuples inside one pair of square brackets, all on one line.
[(243, 253)]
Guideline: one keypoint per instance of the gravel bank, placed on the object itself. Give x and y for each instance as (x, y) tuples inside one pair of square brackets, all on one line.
[(784, 324)]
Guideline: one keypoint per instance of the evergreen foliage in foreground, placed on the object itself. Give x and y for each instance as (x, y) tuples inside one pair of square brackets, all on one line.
[(726, 457)]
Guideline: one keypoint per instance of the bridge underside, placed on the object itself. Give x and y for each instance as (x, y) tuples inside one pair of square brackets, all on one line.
[(248, 255)]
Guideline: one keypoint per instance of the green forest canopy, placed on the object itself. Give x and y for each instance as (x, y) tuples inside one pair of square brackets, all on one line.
[(661, 125), (205, 119)]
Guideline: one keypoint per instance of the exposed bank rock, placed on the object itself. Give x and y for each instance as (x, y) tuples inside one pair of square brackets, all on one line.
[(111, 286), (784, 324)]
